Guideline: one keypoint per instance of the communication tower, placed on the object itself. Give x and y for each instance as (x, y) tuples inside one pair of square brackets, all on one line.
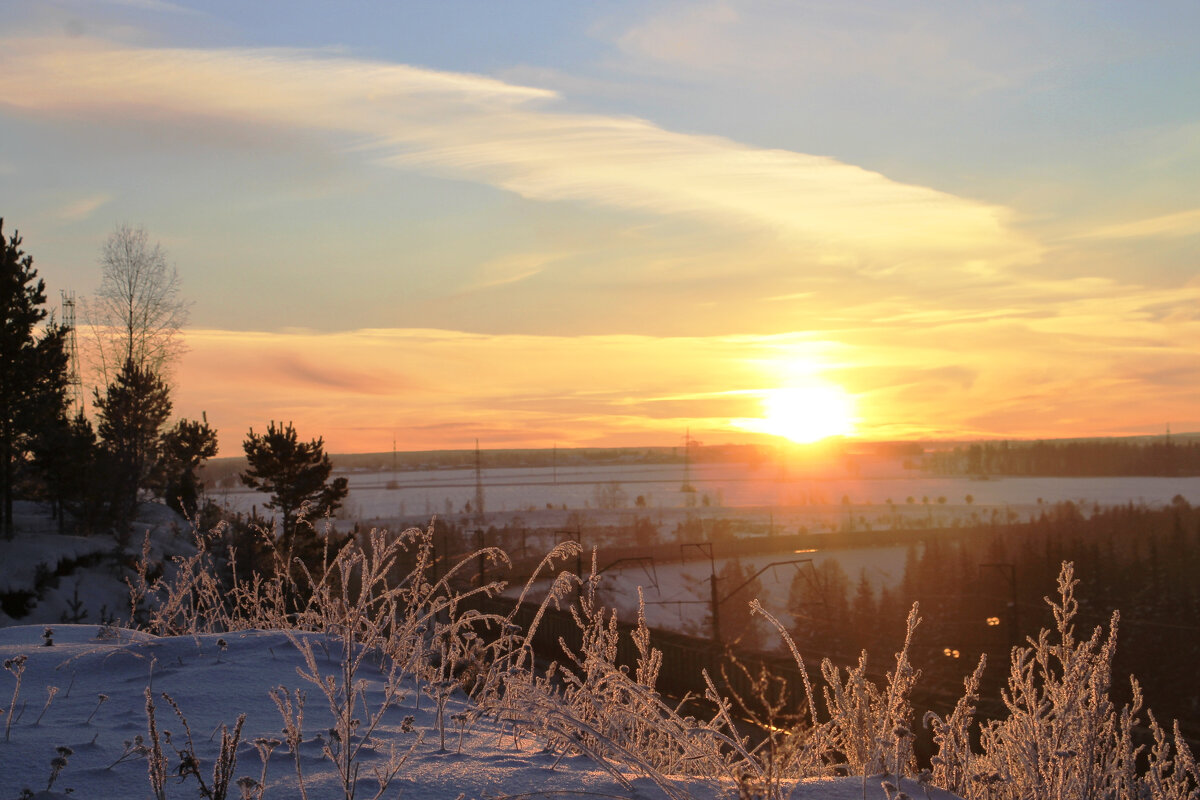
[(74, 381)]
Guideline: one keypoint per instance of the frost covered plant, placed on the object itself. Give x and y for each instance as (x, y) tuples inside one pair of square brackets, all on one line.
[(353, 602), (193, 600), (223, 766), (867, 731), (293, 728), (132, 748), (1057, 740), (788, 748), (863, 721), (1063, 738), (101, 699), (58, 763), (254, 789), (51, 691), (156, 761), (16, 666), (951, 764), (250, 788), (590, 705)]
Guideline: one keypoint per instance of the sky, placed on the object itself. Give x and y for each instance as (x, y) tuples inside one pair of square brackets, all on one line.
[(618, 223)]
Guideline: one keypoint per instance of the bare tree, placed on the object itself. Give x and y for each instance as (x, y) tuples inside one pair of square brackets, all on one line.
[(137, 313)]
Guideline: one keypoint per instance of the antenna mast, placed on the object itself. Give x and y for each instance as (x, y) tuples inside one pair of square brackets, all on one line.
[(74, 381)]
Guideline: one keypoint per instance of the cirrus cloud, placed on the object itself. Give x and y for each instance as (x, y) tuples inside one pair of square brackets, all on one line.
[(478, 128)]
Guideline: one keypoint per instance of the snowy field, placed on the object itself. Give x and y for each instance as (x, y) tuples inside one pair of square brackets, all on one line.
[(416, 494)]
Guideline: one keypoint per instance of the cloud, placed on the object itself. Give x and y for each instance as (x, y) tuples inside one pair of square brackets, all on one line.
[(83, 208), (1103, 365), (908, 46), (481, 129), (154, 5), (1183, 223), (512, 269), (303, 373), (538, 389)]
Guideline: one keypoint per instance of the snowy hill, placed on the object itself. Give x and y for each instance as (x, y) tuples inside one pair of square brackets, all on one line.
[(59, 705), (53, 577)]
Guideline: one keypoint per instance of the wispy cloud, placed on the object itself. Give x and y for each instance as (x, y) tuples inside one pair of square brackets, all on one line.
[(902, 45), (486, 130), (1183, 223), (512, 269), (160, 6), (83, 208)]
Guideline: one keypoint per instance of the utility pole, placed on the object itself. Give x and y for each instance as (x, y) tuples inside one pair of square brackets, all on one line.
[(478, 484), (687, 463), (479, 544), (714, 602)]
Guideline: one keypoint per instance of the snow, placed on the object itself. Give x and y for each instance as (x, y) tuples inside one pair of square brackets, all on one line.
[(802, 497), (93, 585), (212, 685), (25, 555)]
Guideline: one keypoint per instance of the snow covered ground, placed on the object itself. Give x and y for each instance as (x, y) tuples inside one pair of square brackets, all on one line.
[(86, 693), (80, 578), (523, 490)]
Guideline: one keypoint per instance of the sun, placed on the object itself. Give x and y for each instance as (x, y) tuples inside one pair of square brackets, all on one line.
[(806, 414)]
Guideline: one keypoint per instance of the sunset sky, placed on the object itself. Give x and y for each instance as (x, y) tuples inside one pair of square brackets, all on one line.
[(609, 223)]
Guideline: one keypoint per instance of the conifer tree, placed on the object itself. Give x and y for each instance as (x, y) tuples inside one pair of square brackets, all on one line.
[(67, 458), (131, 415), (738, 586), (184, 448), (294, 473), (33, 369)]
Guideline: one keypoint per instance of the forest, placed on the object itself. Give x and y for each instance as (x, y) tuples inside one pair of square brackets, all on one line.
[(1160, 457)]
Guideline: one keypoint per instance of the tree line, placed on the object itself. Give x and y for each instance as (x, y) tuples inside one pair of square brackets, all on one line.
[(1163, 457), (94, 471), (981, 589)]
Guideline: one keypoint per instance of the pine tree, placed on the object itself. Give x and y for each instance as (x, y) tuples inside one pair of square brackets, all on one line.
[(294, 473), (67, 458), (739, 585), (185, 447), (33, 369), (131, 415)]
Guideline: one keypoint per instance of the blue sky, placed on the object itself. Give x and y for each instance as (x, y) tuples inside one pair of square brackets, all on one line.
[(968, 219)]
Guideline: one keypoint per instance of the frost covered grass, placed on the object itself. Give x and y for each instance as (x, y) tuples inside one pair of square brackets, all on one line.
[(374, 673)]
